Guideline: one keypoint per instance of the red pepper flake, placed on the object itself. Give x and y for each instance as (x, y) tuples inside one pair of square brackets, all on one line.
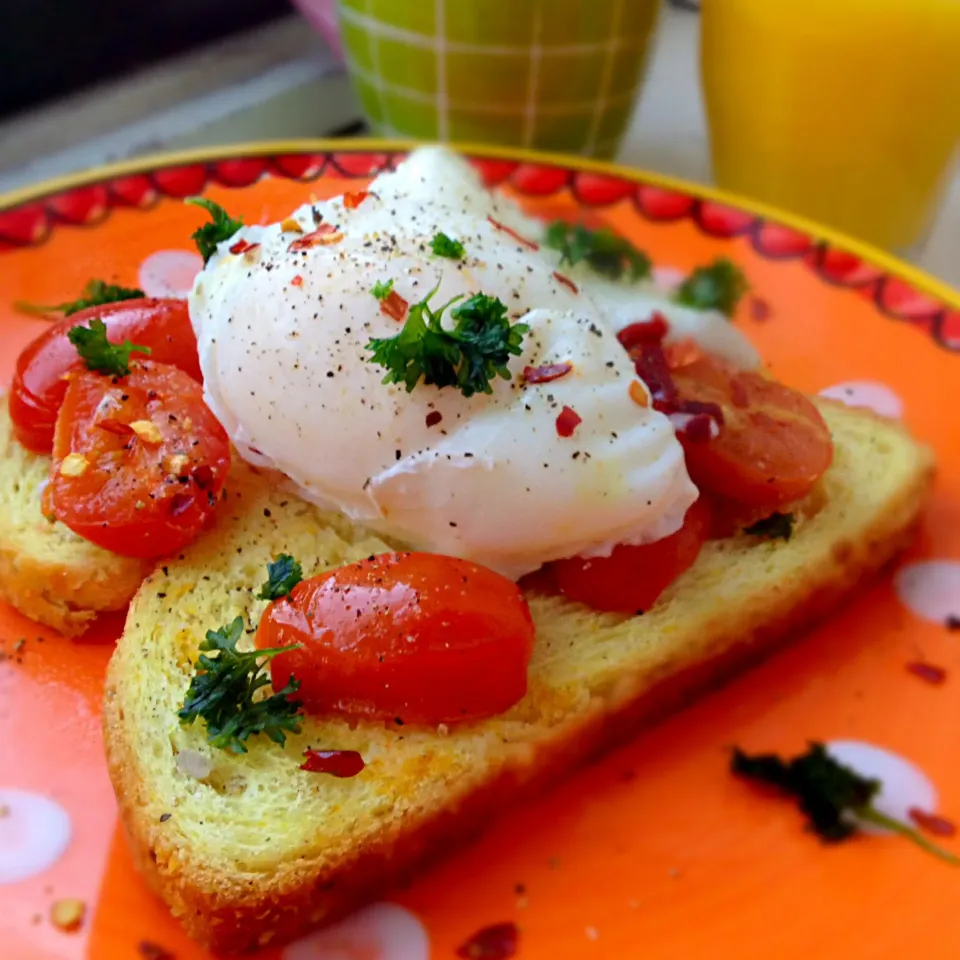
[(546, 372), (932, 823), (338, 763), (644, 333), (394, 306), (180, 503), (567, 421), (566, 281), (353, 200), (325, 234), (116, 427), (759, 309), (434, 417), (928, 671), (638, 395), (513, 233), (243, 246), (153, 951), (496, 942), (203, 476)]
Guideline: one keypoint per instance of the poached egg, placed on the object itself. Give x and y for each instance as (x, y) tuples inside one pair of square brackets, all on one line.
[(283, 334)]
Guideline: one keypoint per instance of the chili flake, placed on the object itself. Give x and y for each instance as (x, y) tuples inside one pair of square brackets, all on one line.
[(932, 823), (353, 200), (567, 421), (434, 417), (290, 226), (74, 465), (394, 306), (510, 232), (297, 281), (566, 281), (546, 372), (243, 246), (116, 427), (325, 234), (496, 942), (928, 671), (338, 763), (644, 333), (147, 432)]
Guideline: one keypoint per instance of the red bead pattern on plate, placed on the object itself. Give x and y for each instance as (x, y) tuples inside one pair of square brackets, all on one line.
[(30, 223)]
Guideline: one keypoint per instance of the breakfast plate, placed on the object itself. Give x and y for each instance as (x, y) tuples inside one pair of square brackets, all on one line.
[(654, 850)]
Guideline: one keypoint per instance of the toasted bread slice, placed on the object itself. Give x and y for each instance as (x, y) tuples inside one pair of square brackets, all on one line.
[(256, 851), (46, 571)]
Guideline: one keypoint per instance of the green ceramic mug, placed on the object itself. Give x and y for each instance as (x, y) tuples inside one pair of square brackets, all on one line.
[(557, 75)]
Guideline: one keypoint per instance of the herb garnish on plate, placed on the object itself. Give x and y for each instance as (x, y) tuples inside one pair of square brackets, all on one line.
[(833, 797), (95, 293), (603, 250), (283, 574), (221, 227), (717, 287)]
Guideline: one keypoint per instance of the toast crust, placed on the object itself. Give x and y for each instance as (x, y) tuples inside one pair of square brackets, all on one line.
[(235, 911), (47, 572)]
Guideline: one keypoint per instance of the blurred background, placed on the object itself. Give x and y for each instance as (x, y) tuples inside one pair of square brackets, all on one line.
[(91, 81)]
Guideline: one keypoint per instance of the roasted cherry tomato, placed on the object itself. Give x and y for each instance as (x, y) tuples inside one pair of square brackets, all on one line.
[(773, 445), (38, 382), (631, 578), (138, 461), (414, 637)]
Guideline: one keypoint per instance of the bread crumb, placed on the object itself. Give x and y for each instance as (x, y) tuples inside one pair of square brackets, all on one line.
[(67, 915), (146, 430)]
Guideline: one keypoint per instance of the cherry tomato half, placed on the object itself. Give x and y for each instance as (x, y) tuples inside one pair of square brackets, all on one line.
[(773, 445), (138, 461), (418, 637), (39, 386), (631, 578)]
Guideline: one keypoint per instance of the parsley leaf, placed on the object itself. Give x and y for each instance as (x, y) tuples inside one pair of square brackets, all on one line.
[(776, 526), (382, 290), (475, 351), (94, 294), (221, 227), (98, 353), (222, 693), (283, 574), (717, 287), (832, 796), (603, 250), (444, 246)]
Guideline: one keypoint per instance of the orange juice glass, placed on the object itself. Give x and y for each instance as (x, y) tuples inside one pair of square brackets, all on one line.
[(846, 111)]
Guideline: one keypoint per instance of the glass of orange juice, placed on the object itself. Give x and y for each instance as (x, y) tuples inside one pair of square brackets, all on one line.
[(845, 111)]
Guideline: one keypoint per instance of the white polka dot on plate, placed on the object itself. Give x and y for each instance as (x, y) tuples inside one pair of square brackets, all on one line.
[(903, 784), (169, 273), (930, 589), (382, 931), (866, 393), (34, 833)]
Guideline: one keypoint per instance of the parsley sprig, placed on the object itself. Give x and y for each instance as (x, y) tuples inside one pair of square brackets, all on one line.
[(468, 356), (833, 797), (283, 574), (778, 526), (221, 227), (223, 692), (98, 353), (94, 294), (717, 287), (444, 246), (381, 290), (605, 251)]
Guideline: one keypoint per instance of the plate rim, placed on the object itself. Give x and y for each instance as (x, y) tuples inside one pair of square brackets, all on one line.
[(887, 262)]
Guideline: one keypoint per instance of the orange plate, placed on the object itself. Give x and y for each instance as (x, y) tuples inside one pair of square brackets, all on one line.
[(656, 851)]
